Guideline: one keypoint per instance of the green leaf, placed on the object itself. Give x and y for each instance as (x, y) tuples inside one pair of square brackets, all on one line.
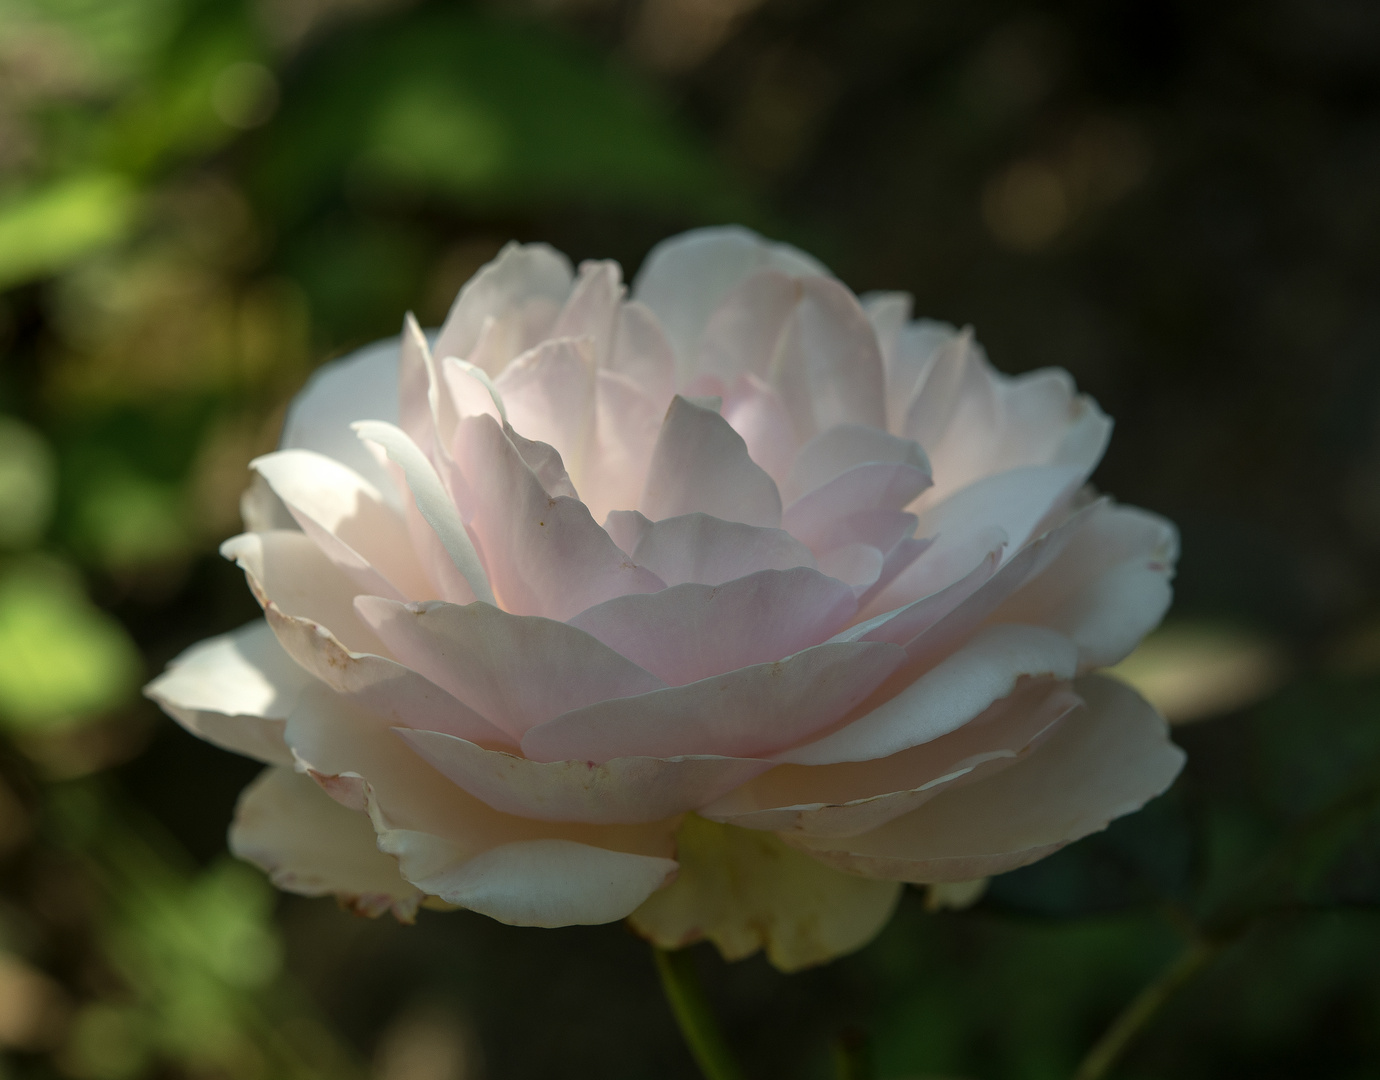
[(62, 659), (45, 231)]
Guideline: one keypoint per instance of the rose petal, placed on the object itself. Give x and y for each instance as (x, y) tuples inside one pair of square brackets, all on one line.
[(701, 465), (362, 386), (592, 309), (548, 392), (745, 713), (843, 447), (850, 798), (704, 549), (310, 845), (1106, 588), (756, 412), (288, 570), (515, 670), (689, 632), (348, 519), (459, 572), (642, 354), (234, 690), (945, 697), (623, 790), (543, 882), (544, 555), (683, 279), (1103, 761), (521, 290), (816, 517), (745, 891)]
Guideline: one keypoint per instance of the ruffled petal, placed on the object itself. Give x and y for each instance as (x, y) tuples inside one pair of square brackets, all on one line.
[(591, 312), (311, 845), (1103, 761), (750, 712), (689, 632), (624, 790), (515, 670), (642, 353), (235, 690)]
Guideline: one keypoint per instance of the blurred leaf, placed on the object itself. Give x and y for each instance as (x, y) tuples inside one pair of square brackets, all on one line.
[(44, 231), (62, 659), (481, 113), (28, 483)]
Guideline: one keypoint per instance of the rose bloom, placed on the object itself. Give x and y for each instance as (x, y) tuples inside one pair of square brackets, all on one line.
[(729, 606)]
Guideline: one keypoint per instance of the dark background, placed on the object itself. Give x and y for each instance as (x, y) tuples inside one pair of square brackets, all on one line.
[(1179, 203)]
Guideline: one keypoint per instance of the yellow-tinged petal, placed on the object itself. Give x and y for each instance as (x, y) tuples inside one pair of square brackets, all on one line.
[(745, 890)]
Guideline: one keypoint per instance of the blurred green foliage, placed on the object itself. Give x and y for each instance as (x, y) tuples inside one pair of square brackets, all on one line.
[(201, 199)]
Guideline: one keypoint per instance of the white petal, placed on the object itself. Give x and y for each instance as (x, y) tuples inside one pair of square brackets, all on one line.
[(361, 386), (288, 570), (591, 311), (623, 790), (548, 392), (522, 289), (1103, 761), (838, 449), (701, 465), (683, 279), (704, 549), (642, 353), (1107, 588), (310, 844), (543, 882), (947, 696), (689, 632), (348, 519), (545, 555), (235, 690), (434, 505), (750, 712), (515, 670), (850, 798)]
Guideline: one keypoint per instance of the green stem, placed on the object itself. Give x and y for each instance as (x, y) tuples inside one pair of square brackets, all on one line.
[(1143, 1008), (696, 1021)]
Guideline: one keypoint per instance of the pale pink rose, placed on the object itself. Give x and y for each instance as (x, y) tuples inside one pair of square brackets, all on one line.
[(549, 597)]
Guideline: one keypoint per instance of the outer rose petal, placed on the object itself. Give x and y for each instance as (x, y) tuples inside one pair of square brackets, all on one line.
[(235, 690), (1107, 588), (362, 386), (746, 890), (1103, 761), (545, 882), (309, 844)]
